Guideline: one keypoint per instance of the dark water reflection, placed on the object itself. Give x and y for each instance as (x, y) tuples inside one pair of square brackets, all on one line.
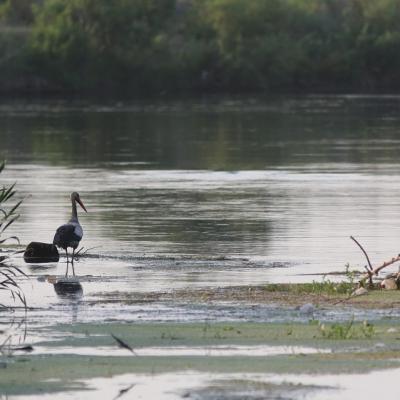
[(228, 134)]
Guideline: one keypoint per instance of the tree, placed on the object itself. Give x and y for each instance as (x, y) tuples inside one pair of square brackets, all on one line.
[(86, 43)]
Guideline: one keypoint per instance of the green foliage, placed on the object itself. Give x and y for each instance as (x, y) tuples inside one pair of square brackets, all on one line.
[(256, 41), (350, 274), (209, 44), (92, 43), (337, 331), (16, 11), (347, 330), (326, 287)]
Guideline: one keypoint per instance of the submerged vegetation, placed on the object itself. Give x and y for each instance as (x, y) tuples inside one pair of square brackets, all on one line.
[(199, 44), (179, 347)]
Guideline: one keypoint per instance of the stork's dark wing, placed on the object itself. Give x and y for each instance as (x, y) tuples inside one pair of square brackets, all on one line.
[(65, 234)]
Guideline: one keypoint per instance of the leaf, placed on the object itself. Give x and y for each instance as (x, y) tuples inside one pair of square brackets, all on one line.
[(11, 212), (18, 269), (22, 298), (11, 237), (10, 271), (9, 192), (9, 223), (122, 344), (11, 280)]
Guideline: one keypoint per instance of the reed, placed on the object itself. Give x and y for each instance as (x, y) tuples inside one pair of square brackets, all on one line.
[(9, 274)]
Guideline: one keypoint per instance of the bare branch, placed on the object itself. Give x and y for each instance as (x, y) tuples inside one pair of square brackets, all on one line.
[(369, 271), (362, 249)]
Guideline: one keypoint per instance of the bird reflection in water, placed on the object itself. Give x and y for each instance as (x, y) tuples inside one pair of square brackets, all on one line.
[(70, 290), (66, 287)]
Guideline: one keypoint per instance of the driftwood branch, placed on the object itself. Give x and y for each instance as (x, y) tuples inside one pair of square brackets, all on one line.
[(386, 264), (365, 253), (379, 268), (370, 269)]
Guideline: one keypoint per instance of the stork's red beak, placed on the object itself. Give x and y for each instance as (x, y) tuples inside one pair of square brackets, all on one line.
[(81, 204)]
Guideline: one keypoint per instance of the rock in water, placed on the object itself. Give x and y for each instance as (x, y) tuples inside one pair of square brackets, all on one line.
[(307, 309), (37, 252), (389, 284), (359, 292)]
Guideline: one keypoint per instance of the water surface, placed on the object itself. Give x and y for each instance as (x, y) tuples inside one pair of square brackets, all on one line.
[(198, 193), (209, 192)]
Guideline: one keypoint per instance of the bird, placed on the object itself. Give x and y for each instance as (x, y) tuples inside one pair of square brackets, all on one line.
[(70, 234)]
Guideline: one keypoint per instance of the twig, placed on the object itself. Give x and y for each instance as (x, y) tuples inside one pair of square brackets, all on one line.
[(80, 252), (384, 265)]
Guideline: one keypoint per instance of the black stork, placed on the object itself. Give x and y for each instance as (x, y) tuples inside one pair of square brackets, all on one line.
[(70, 234)]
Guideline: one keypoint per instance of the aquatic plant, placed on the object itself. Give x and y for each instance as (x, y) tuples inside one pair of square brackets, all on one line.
[(347, 330), (8, 215), (326, 286)]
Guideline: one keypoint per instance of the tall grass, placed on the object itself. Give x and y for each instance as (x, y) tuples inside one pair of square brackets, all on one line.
[(8, 273)]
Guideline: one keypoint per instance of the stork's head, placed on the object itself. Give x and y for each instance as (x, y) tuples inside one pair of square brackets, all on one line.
[(75, 197)]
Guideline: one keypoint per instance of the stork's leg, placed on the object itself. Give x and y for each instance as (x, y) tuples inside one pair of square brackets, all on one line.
[(73, 255), (66, 253)]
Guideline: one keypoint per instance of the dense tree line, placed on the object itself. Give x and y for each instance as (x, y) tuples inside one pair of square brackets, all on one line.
[(219, 45)]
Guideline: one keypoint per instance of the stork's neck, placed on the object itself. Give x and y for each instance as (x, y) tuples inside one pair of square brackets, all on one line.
[(74, 215)]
